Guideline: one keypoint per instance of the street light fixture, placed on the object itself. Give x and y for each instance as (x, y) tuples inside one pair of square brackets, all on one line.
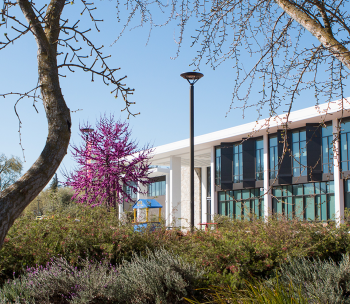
[(86, 132), (192, 78)]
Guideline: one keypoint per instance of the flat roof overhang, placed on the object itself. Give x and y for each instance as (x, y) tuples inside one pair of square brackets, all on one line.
[(203, 143)]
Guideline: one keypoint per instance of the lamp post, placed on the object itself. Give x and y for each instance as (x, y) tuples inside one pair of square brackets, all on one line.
[(86, 132), (192, 78)]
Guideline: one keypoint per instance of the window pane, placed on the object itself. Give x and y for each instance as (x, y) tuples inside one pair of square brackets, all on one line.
[(299, 207), (323, 203), (273, 141), (345, 126), (310, 208), (298, 189), (308, 188), (327, 131), (331, 206), (302, 135), (295, 137)]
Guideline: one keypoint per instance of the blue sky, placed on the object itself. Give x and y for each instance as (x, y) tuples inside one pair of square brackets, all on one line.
[(161, 95)]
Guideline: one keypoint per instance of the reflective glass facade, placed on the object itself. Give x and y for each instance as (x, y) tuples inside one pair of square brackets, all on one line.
[(299, 161), (345, 145), (241, 204), (156, 188), (237, 163), (327, 148), (217, 166), (273, 156), (259, 159), (312, 201)]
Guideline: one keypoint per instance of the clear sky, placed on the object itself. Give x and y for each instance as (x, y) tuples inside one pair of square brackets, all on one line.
[(161, 95)]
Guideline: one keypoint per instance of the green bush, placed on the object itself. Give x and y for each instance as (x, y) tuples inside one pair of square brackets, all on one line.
[(321, 281), (161, 277), (230, 254), (84, 232), (240, 249)]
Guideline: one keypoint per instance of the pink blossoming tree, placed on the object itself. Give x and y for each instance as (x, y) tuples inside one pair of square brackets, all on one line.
[(108, 161)]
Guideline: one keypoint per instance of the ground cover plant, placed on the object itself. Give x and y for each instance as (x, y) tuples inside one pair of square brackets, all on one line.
[(320, 281), (229, 255), (161, 277)]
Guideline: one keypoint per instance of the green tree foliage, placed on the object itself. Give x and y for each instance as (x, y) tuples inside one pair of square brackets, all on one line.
[(50, 201), (54, 183), (10, 170)]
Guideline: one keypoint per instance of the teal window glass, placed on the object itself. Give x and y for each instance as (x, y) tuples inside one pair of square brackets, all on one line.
[(312, 201), (217, 165), (327, 148), (299, 161), (345, 145), (241, 204), (347, 194), (273, 161), (156, 188), (237, 163), (259, 159)]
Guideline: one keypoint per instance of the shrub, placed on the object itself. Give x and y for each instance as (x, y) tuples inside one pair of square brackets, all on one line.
[(161, 277), (230, 254), (321, 281)]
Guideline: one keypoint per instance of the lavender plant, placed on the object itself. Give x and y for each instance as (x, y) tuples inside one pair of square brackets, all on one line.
[(160, 277), (320, 281)]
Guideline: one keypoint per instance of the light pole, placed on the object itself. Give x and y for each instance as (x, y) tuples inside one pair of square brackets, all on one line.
[(86, 132), (192, 78)]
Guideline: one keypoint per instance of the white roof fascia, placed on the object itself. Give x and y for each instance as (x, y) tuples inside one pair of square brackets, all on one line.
[(323, 112)]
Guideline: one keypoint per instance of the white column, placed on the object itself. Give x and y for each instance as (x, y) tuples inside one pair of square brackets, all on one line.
[(267, 190), (142, 193), (120, 211), (214, 203), (175, 191), (204, 194), (338, 182), (167, 200)]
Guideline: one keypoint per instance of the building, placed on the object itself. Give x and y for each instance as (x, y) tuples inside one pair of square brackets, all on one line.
[(241, 171)]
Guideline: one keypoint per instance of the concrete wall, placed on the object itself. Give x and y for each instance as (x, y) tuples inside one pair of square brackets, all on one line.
[(185, 197)]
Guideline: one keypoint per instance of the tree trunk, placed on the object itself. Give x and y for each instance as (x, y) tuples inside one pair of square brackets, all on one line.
[(15, 198), (323, 34)]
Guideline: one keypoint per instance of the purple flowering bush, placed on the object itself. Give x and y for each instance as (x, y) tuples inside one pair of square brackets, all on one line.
[(161, 277)]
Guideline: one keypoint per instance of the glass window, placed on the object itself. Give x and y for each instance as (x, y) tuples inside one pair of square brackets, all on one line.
[(273, 156), (156, 188), (312, 201), (327, 148), (347, 194), (345, 145), (299, 153), (259, 159), (218, 166), (241, 204), (129, 190), (237, 164)]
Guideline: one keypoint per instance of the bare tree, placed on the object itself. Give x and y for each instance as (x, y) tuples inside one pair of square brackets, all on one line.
[(276, 33), (46, 26)]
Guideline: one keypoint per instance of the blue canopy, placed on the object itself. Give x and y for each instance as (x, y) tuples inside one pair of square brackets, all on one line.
[(147, 203)]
